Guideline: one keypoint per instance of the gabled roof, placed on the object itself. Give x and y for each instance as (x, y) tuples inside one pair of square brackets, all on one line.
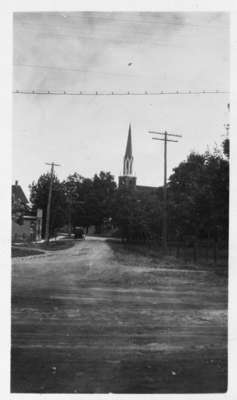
[(18, 193), (128, 152)]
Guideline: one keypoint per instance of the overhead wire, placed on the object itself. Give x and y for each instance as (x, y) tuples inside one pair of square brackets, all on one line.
[(51, 67), (106, 16), (104, 39), (99, 72), (115, 93), (71, 29)]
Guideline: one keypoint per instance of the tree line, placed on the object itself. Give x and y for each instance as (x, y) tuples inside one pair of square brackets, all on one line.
[(198, 201)]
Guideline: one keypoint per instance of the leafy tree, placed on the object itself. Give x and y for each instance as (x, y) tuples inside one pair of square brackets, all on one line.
[(198, 196), (226, 148), (74, 210), (137, 215), (39, 192), (89, 200), (100, 201)]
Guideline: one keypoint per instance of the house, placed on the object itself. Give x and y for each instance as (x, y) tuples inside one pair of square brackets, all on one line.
[(25, 226)]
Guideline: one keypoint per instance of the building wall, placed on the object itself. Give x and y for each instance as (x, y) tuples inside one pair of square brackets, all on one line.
[(21, 232), (127, 181), (30, 230)]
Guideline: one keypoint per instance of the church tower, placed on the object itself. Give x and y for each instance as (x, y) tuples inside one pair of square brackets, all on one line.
[(128, 179)]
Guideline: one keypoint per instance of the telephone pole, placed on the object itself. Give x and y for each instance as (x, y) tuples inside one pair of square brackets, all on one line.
[(165, 140), (227, 128), (49, 199)]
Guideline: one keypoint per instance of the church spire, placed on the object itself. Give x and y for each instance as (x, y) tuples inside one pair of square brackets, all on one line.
[(128, 158), (128, 152)]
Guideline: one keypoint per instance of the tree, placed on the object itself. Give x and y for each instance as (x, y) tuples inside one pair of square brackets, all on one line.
[(198, 196), (137, 215), (184, 196), (89, 200), (39, 192), (226, 148), (74, 210), (100, 201)]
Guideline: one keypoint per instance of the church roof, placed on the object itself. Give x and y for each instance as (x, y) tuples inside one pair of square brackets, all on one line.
[(147, 189), (128, 152)]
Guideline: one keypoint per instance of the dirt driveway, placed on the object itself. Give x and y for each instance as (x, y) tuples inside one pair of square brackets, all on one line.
[(94, 318)]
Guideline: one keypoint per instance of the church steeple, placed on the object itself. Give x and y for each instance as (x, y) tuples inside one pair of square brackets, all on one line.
[(128, 179), (128, 157)]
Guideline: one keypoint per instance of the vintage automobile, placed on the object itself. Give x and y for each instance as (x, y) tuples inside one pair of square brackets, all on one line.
[(79, 233)]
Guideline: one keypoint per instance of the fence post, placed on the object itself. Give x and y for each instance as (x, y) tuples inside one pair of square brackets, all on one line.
[(195, 250), (208, 245), (215, 252), (207, 251), (178, 249)]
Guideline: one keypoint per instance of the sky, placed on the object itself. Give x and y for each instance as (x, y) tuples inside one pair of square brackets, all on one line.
[(116, 51)]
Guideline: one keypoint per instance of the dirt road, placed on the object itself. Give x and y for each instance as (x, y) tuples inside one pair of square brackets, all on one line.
[(94, 318)]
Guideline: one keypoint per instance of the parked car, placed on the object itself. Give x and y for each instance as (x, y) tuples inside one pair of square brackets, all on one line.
[(79, 233)]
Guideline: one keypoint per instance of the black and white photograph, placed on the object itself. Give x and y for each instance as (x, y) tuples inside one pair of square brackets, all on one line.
[(120, 202)]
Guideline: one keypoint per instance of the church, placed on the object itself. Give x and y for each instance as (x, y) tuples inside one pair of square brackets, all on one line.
[(128, 179)]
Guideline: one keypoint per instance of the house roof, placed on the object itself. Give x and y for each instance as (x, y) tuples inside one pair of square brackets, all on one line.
[(18, 193)]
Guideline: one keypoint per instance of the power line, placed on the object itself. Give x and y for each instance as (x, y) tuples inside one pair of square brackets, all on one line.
[(115, 93), (145, 38), (71, 29), (144, 20), (109, 38), (52, 67), (76, 32)]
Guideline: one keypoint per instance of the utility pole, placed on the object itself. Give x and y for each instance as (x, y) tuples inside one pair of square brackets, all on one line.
[(49, 200), (165, 140), (227, 128)]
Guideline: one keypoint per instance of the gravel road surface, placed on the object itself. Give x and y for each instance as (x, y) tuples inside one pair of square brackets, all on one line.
[(95, 319)]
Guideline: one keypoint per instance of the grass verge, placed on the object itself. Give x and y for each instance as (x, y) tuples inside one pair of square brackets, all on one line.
[(56, 245), (24, 252), (29, 249), (154, 256)]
